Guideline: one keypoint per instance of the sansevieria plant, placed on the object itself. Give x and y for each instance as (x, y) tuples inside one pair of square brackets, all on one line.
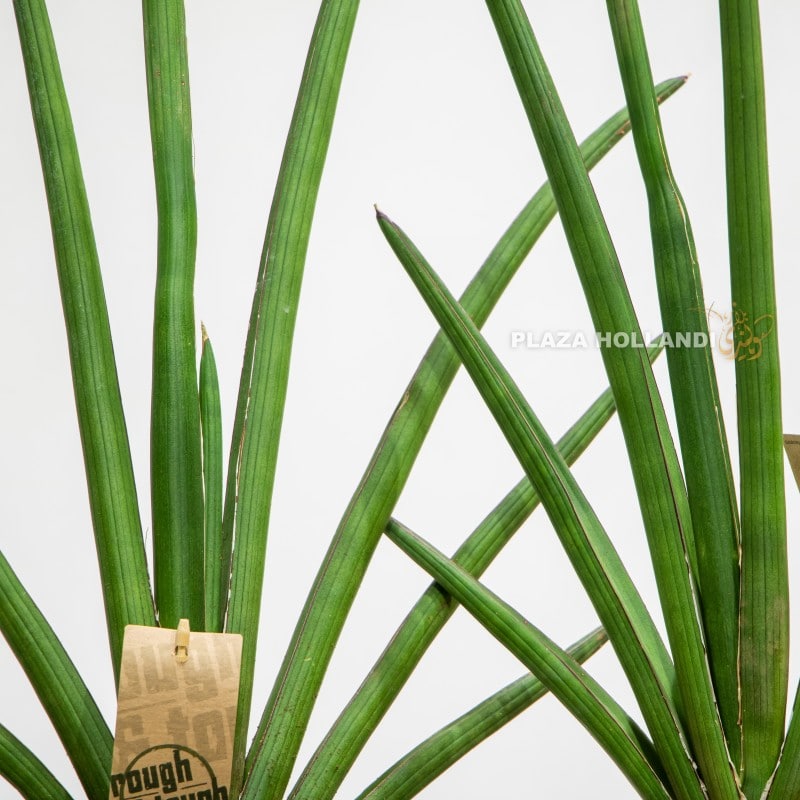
[(693, 699)]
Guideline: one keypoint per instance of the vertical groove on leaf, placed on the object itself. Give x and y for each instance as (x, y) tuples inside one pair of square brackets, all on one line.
[(426, 762), (656, 470), (262, 391), (368, 512), (106, 452), (23, 770), (61, 691), (704, 446), (175, 453), (764, 590), (216, 584)]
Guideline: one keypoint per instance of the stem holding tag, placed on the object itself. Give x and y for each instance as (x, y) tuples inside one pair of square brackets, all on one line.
[(182, 642)]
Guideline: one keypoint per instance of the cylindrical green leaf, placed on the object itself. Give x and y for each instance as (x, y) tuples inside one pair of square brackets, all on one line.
[(216, 581), (23, 770), (60, 689), (764, 622), (426, 762), (704, 446), (591, 705), (265, 373), (106, 452), (175, 455)]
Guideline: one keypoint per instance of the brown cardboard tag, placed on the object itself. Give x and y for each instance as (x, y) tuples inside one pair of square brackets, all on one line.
[(176, 715)]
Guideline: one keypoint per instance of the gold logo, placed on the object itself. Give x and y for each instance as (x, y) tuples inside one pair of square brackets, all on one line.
[(738, 337)]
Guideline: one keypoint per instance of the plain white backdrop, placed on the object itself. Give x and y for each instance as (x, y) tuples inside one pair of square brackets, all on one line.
[(430, 128)]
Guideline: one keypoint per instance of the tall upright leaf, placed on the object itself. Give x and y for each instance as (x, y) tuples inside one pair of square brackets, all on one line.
[(695, 394), (764, 589), (283, 723), (60, 689), (262, 391), (106, 452), (175, 456), (654, 461), (621, 610), (216, 582)]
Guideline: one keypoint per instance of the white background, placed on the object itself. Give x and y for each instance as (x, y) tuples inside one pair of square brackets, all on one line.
[(429, 127)]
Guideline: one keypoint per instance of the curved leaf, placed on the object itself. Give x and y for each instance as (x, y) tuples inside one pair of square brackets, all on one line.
[(426, 762), (586, 700), (53, 676), (262, 390), (20, 767), (106, 453)]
